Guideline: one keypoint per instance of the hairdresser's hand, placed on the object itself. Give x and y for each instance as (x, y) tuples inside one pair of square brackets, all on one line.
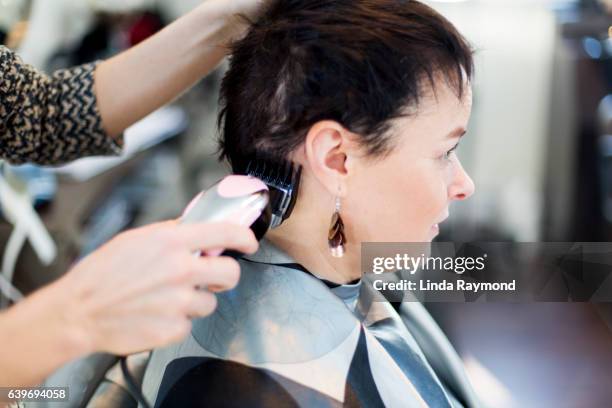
[(139, 291), (135, 293), (238, 15), (249, 8)]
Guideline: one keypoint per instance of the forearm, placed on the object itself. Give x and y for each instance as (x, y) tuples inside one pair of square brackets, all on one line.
[(38, 337), (140, 80), (49, 119), (78, 112)]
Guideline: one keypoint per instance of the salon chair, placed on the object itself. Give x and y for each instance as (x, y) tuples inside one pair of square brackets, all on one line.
[(97, 382)]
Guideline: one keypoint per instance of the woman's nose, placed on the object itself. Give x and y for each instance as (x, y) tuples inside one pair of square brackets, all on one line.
[(463, 186)]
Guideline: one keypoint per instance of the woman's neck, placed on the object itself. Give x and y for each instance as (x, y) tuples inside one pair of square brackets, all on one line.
[(304, 237)]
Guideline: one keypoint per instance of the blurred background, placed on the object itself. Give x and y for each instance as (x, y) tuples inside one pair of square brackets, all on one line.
[(539, 149)]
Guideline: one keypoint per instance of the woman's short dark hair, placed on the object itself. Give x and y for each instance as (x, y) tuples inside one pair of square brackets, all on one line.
[(358, 62)]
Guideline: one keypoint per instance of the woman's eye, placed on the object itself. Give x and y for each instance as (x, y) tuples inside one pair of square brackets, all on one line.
[(449, 153)]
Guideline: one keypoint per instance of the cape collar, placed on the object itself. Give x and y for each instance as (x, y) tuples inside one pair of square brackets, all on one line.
[(270, 254)]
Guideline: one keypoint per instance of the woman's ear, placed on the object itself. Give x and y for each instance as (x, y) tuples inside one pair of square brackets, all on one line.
[(327, 147)]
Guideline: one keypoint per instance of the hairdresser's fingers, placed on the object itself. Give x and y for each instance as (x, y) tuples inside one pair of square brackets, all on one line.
[(166, 302), (202, 304), (167, 331), (216, 273), (210, 236), (187, 302)]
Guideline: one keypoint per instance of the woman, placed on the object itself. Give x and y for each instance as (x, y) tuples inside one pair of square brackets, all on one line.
[(117, 300), (371, 98)]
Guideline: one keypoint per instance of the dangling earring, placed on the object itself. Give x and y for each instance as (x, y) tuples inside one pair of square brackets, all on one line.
[(335, 237)]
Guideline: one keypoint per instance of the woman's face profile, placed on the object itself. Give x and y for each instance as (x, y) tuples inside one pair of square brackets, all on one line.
[(406, 194)]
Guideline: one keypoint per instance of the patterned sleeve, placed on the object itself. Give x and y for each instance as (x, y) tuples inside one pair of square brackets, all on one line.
[(49, 120)]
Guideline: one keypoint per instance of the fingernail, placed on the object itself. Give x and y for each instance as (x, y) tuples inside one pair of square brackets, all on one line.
[(217, 288)]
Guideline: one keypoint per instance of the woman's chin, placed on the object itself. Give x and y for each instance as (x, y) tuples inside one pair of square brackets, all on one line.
[(427, 235), (434, 231)]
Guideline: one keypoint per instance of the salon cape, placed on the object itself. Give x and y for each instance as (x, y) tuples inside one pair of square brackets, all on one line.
[(283, 337)]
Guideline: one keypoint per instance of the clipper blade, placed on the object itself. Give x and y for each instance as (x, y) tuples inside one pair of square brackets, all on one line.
[(283, 179)]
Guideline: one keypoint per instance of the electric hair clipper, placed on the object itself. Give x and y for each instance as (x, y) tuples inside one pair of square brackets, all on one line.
[(241, 200)]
